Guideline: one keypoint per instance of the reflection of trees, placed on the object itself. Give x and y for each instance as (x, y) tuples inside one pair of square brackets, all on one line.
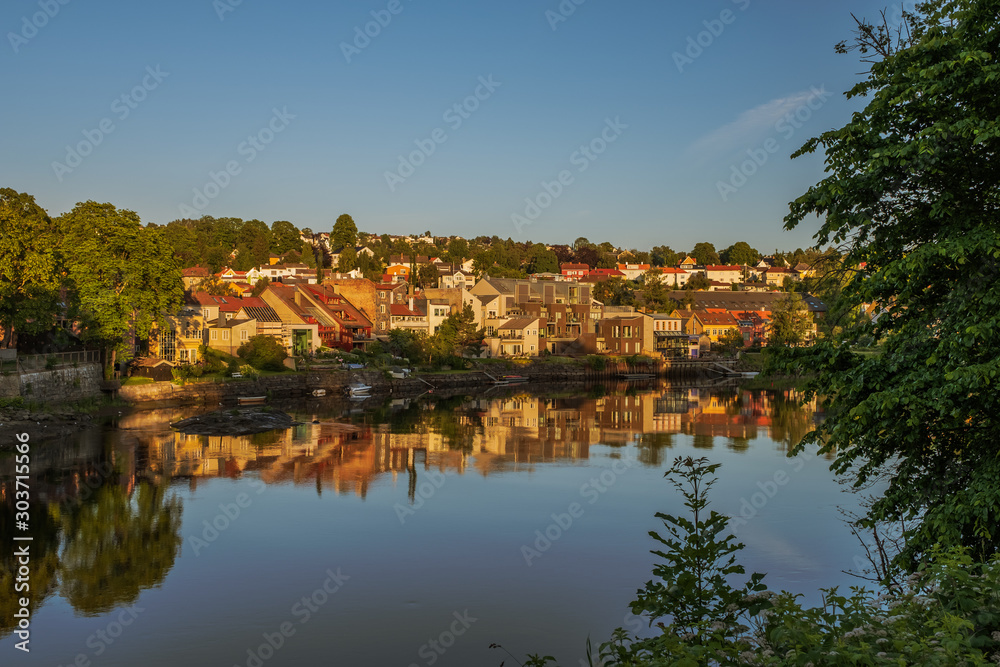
[(738, 444), (790, 421), (116, 546), (651, 446), (703, 441), (44, 551)]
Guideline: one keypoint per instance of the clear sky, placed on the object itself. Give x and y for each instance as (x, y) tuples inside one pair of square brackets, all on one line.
[(139, 104)]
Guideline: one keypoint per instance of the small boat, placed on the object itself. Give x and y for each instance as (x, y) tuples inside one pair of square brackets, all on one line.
[(251, 400), (510, 379), (358, 389), (319, 392), (398, 373)]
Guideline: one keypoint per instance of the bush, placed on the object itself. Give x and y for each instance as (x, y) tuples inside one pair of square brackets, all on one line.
[(15, 402), (948, 613), (263, 353), (597, 362)]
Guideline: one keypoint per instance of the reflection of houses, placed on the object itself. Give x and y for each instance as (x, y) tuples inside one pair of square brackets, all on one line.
[(483, 435)]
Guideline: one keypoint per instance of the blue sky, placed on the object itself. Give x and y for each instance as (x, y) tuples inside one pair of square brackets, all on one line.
[(313, 120)]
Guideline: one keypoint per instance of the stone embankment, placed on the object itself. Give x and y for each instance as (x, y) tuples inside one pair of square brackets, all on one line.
[(335, 382)]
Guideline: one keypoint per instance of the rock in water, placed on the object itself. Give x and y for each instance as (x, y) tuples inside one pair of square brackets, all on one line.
[(243, 421)]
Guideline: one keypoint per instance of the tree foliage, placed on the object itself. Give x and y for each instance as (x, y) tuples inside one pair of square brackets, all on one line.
[(790, 321), (740, 253), (705, 253), (30, 270), (345, 233), (263, 353), (123, 275), (913, 194)]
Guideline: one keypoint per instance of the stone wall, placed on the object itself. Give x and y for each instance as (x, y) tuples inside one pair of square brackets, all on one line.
[(62, 385)]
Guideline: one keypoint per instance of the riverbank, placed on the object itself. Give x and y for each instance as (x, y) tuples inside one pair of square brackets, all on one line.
[(496, 373)]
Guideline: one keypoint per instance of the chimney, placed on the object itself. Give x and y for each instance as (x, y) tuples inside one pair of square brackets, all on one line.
[(411, 303)]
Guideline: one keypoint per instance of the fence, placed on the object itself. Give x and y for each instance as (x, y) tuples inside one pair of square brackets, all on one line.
[(27, 363)]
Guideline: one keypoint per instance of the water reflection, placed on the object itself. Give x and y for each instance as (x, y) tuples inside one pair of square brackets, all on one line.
[(106, 521)]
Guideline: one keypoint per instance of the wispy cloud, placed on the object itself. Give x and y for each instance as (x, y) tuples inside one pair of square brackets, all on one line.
[(749, 128)]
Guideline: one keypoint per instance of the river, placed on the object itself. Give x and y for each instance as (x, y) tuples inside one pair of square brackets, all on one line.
[(414, 532)]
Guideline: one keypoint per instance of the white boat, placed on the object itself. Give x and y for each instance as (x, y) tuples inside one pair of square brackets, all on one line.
[(319, 392), (358, 389), (398, 373)]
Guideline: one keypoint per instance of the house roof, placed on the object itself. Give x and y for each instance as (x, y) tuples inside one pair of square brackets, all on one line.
[(401, 310), (229, 324), (606, 272), (517, 323), (262, 313), (570, 266), (715, 319), (196, 272), (723, 267)]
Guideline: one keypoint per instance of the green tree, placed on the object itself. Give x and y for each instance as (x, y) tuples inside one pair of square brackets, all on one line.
[(260, 286), (263, 353), (913, 190), (308, 254), (731, 342), (542, 260), (407, 344), (123, 275), (698, 281), (654, 295), (284, 237), (705, 253), (30, 266), (457, 336), (663, 255), (615, 292), (214, 286), (790, 321), (740, 253), (458, 250), (253, 245), (348, 260), (427, 275), (345, 233)]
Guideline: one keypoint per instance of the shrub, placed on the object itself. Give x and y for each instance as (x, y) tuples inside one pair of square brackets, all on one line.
[(15, 402), (263, 353)]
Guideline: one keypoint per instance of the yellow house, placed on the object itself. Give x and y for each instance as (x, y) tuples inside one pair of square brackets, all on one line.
[(178, 341), (714, 324)]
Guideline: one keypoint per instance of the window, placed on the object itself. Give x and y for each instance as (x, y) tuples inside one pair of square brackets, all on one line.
[(243, 335), (225, 334), (215, 334)]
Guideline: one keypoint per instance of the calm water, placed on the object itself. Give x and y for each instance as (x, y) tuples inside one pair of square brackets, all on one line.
[(411, 533)]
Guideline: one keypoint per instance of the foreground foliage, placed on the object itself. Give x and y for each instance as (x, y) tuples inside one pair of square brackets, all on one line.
[(913, 191), (946, 613)]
